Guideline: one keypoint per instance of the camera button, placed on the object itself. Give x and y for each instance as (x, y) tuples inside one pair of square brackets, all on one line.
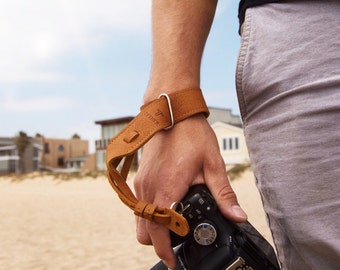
[(205, 234)]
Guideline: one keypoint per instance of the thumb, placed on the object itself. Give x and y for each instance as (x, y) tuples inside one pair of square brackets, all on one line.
[(227, 202), (220, 188)]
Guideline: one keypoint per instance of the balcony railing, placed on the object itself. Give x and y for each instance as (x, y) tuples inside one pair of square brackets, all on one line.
[(102, 144)]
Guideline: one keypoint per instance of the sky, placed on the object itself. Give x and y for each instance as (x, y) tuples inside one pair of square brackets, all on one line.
[(65, 64)]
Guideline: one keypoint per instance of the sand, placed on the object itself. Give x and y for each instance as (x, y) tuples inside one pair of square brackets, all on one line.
[(49, 224)]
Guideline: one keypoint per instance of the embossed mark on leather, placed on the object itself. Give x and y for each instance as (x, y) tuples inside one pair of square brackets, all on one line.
[(150, 117), (159, 113)]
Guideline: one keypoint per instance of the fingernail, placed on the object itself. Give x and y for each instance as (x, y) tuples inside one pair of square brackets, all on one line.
[(237, 210)]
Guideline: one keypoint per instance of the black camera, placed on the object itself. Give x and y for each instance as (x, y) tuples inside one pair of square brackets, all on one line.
[(214, 242)]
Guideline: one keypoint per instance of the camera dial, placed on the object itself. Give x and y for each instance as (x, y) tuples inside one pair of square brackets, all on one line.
[(205, 234)]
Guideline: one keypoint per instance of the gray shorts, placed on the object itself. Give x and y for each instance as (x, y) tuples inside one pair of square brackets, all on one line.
[(288, 84)]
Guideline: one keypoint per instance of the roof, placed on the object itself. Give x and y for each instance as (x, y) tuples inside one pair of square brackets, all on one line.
[(216, 114), (114, 121)]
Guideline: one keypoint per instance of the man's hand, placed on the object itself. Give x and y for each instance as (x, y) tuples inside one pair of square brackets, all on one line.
[(187, 154), (172, 161)]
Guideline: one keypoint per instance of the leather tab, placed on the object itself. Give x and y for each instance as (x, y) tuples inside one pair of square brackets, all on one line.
[(149, 211), (176, 225), (145, 210), (139, 208), (153, 117), (131, 136)]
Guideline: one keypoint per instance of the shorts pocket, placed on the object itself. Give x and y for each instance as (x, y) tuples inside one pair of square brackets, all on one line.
[(242, 57)]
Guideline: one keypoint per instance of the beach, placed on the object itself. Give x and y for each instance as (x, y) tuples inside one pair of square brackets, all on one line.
[(52, 224)]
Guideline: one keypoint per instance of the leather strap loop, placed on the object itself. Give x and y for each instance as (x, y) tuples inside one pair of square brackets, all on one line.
[(155, 116)]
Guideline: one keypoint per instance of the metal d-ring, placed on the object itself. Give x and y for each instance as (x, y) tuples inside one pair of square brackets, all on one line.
[(170, 110), (175, 204)]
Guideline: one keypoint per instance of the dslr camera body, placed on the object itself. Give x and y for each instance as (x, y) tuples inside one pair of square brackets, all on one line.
[(214, 242)]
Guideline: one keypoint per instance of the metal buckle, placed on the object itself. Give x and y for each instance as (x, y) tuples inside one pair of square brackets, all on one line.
[(175, 204), (170, 110)]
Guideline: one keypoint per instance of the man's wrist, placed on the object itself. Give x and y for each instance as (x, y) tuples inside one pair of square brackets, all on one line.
[(155, 90)]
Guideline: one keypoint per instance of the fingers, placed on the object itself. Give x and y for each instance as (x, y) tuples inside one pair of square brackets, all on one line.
[(161, 242), (169, 166), (218, 183), (150, 233), (142, 234), (227, 202)]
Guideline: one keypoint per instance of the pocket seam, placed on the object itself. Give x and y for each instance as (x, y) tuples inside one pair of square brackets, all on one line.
[(243, 53)]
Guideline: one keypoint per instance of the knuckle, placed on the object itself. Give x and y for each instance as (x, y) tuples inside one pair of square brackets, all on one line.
[(143, 238), (152, 227), (142, 235), (226, 193)]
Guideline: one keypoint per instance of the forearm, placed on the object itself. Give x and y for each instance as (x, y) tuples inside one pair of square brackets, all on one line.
[(180, 29), (187, 154)]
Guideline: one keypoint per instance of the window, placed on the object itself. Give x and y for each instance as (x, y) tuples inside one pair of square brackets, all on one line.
[(110, 131), (35, 152), (61, 148), (61, 162), (101, 157), (230, 144), (35, 165), (12, 166), (46, 148)]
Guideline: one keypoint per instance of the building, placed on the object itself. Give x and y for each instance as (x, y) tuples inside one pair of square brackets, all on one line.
[(65, 154), (231, 142), (10, 160), (230, 136), (224, 116), (227, 127), (109, 128)]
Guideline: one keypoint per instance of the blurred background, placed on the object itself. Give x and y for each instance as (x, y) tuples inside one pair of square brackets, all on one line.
[(66, 64), (72, 74)]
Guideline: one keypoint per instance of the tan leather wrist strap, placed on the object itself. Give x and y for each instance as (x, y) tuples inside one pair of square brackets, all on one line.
[(160, 114)]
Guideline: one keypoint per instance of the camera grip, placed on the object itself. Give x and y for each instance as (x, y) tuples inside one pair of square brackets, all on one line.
[(214, 242), (161, 266)]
